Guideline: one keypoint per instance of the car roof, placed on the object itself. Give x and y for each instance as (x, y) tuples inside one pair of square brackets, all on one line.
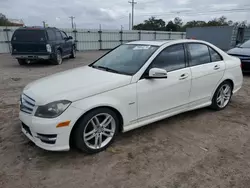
[(160, 43), (36, 28)]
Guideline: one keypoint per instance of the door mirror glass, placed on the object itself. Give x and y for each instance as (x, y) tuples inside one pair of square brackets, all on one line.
[(70, 38), (157, 73)]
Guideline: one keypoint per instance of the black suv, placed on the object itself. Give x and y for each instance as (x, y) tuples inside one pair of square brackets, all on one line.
[(35, 43)]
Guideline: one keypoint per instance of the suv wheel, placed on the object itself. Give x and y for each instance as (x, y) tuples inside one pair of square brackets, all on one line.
[(96, 130), (58, 58), (73, 52), (22, 61)]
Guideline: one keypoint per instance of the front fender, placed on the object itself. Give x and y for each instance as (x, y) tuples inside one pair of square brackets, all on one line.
[(122, 99)]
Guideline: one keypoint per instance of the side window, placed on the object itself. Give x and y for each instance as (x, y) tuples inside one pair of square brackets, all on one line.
[(172, 58), (58, 35), (199, 54), (51, 35), (215, 56), (64, 35)]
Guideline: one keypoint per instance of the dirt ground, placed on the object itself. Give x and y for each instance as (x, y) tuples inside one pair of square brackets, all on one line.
[(203, 148)]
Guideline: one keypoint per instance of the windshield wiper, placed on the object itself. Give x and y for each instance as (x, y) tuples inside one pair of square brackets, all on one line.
[(106, 69)]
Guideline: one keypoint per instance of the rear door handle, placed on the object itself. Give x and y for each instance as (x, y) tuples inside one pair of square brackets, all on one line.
[(183, 76), (216, 67)]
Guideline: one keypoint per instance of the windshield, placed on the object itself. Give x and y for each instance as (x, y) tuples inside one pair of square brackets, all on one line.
[(245, 44), (126, 59), (29, 36)]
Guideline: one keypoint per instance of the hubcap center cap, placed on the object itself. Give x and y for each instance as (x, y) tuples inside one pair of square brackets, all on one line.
[(99, 130)]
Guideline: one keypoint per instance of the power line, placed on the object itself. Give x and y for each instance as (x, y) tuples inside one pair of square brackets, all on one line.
[(198, 12), (201, 12), (133, 6)]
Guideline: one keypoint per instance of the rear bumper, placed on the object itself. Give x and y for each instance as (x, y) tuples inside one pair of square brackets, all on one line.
[(32, 57)]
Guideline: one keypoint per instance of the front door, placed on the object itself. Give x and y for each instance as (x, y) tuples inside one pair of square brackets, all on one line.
[(207, 68), (159, 96), (67, 43)]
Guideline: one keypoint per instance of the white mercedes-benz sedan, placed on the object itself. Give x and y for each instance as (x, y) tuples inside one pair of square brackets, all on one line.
[(131, 86)]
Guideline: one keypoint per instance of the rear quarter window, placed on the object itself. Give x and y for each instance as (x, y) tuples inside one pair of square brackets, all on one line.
[(51, 34), (29, 36)]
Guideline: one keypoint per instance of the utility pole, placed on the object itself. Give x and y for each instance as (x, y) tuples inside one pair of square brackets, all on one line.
[(129, 21), (72, 21), (133, 7), (44, 24)]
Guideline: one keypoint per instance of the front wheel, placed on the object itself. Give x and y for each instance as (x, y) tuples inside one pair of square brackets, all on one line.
[(222, 96), (96, 130), (73, 52)]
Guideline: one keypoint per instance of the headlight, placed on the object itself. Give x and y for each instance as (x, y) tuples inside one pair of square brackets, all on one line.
[(53, 109), (48, 48)]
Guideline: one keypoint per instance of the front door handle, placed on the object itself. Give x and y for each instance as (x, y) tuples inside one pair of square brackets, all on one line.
[(183, 76), (216, 67)]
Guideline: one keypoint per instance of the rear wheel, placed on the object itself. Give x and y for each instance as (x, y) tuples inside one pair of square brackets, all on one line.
[(222, 96), (58, 58), (96, 130), (22, 61), (73, 52)]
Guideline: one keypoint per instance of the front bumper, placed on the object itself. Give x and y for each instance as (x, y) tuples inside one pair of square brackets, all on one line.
[(44, 133)]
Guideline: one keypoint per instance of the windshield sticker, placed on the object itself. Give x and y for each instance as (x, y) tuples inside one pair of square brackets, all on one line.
[(141, 47)]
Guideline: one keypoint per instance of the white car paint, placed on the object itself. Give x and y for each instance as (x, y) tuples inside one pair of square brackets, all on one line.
[(139, 101)]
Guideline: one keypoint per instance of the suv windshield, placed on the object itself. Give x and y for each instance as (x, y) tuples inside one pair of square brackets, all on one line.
[(126, 59), (29, 36), (245, 44)]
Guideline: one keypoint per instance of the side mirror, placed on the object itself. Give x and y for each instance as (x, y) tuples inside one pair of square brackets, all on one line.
[(70, 38), (157, 73)]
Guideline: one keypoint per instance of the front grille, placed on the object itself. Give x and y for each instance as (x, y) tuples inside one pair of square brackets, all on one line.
[(27, 104)]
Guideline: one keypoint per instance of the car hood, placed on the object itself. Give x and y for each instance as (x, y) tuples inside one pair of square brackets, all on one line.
[(239, 51), (74, 84)]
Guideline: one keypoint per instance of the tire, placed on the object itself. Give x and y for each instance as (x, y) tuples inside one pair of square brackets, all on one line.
[(58, 58), (222, 96), (91, 138), (22, 61), (73, 52)]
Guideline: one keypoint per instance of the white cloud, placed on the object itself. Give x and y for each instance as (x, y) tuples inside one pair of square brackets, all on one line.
[(183, 2), (114, 13)]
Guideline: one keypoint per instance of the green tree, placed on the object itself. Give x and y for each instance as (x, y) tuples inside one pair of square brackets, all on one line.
[(3, 20), (151, 24), (171, 26), (178, 22)]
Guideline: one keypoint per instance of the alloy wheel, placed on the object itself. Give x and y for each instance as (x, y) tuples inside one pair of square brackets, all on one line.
[(99, 131), (224, 95)]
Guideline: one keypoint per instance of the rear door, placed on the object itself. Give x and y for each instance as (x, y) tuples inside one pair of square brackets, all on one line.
[(207, 68), (29, 41)]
